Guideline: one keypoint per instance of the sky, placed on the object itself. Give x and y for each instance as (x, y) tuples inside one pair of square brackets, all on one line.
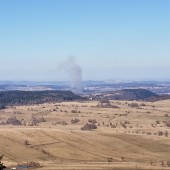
[(110, 39)]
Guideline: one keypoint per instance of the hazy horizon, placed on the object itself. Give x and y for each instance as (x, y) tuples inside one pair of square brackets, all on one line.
[(90, 80), (118, 40)]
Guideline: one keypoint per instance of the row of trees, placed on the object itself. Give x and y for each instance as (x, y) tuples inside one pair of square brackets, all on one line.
[(8, 98)]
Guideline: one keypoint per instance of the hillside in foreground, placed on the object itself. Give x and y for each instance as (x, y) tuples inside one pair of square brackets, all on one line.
[(125, 136)]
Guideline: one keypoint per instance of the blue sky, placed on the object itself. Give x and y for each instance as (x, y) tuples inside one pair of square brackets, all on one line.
[(111, 39)]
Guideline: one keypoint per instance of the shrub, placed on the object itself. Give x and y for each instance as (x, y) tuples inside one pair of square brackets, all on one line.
[(34, 164), (89, 126), (166, 133), (137, 131), (13, 121), (152, 124), (127, 122), (168, 163), (133, 105), (26, 142), (123, 158), (162, 163), (45, 152), (148, 133), (34, 121), (143, 132), (167, 124), (157, 122), (123, 125), (148, 112), (166, 115), (60, 123), (160, 133), (109, 159), (76, 120), (92, 121), (74, 111), (155, 133), (106, 104)]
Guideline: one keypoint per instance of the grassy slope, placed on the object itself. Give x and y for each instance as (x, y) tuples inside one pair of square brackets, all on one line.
[(65, 147)]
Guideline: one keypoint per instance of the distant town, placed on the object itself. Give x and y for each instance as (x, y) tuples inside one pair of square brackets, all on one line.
[(87, 87)]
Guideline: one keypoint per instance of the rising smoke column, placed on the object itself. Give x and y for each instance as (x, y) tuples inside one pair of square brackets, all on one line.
[(74, 72)]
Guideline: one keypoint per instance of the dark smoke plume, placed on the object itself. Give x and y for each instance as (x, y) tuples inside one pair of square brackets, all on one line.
[(74, 72)]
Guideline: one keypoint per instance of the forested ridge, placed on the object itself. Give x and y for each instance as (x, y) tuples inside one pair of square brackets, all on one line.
[(35, 97)]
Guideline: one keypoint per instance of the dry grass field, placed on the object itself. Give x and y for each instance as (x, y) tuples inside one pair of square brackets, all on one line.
[(126, 137)]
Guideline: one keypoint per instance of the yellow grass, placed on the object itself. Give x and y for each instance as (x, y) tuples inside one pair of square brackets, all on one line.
[(68, 147)]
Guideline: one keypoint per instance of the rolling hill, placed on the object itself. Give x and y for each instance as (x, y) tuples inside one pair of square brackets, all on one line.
[(35, 97)]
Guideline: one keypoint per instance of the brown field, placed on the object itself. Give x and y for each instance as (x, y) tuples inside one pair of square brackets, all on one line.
[(125, 138)]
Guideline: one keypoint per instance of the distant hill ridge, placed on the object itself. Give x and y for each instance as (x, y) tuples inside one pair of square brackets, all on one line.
[(137, 94), (133, 94), (35, 97)]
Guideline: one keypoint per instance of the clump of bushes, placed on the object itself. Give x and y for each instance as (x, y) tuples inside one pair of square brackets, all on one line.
[(160, 133), (76, 120), (113, 125), (106, 104), (133, 105), (89, 126), (148, 133), (34, 164), (157, 122), (29, 164), (34, 121), (166, 115), (165, 163), (92, 121), (75, 111), (60, 123), (167, 123), (13, 121), (127, 122)]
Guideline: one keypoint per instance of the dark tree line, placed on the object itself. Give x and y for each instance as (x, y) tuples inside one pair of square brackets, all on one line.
[(132, 94), (10, 98)]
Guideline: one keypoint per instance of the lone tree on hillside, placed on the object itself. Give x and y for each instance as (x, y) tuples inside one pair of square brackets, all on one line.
[(1, 164)]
